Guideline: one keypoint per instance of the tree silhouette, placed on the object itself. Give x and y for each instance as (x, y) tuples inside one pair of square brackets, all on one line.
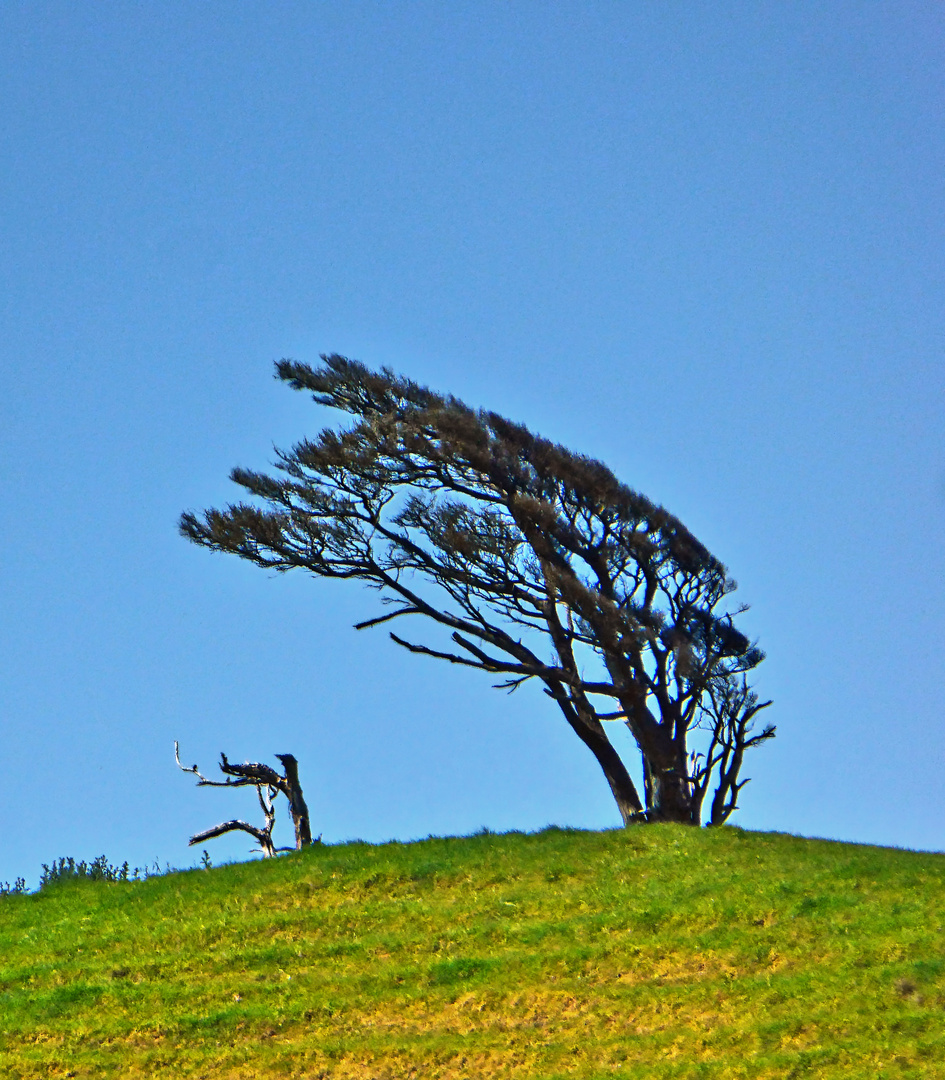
[(536, 561), (268, 784)]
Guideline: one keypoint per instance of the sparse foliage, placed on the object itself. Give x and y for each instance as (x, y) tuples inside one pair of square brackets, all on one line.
[(537, 563)]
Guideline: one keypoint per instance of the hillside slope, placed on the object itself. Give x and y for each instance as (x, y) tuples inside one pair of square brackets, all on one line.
[(650, 952)]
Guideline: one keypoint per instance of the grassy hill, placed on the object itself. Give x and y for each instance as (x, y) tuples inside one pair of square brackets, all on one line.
[(650, 952)]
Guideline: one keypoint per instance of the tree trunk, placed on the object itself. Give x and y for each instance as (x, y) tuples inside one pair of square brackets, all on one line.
[(591, 732), (297, 806), (621, 786), (668, 793)]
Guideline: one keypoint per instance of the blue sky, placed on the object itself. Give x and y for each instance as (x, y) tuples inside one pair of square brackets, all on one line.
[(703, 242)]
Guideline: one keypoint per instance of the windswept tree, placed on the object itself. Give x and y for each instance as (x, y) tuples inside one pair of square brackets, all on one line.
[(536, 563)]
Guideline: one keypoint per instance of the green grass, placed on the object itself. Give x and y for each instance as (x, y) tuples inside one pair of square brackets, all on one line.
[(653, 952)]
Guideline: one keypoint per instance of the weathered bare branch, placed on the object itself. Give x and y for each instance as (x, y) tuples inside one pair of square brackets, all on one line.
[(263, 837), (192, 769)]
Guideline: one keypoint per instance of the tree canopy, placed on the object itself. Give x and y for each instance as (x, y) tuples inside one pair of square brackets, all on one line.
[(536, 563)]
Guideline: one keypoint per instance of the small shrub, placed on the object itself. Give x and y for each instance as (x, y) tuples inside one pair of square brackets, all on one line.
[(99, 869), (16, 889)]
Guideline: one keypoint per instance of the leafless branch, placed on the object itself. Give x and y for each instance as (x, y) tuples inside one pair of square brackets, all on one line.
[(386, 618), (192, 769)]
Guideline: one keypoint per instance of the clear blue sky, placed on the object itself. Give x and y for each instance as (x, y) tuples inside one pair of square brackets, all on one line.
[(701, 241)]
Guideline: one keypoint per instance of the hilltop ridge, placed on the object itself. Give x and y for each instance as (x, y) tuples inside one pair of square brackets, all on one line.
[(656, 951)]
